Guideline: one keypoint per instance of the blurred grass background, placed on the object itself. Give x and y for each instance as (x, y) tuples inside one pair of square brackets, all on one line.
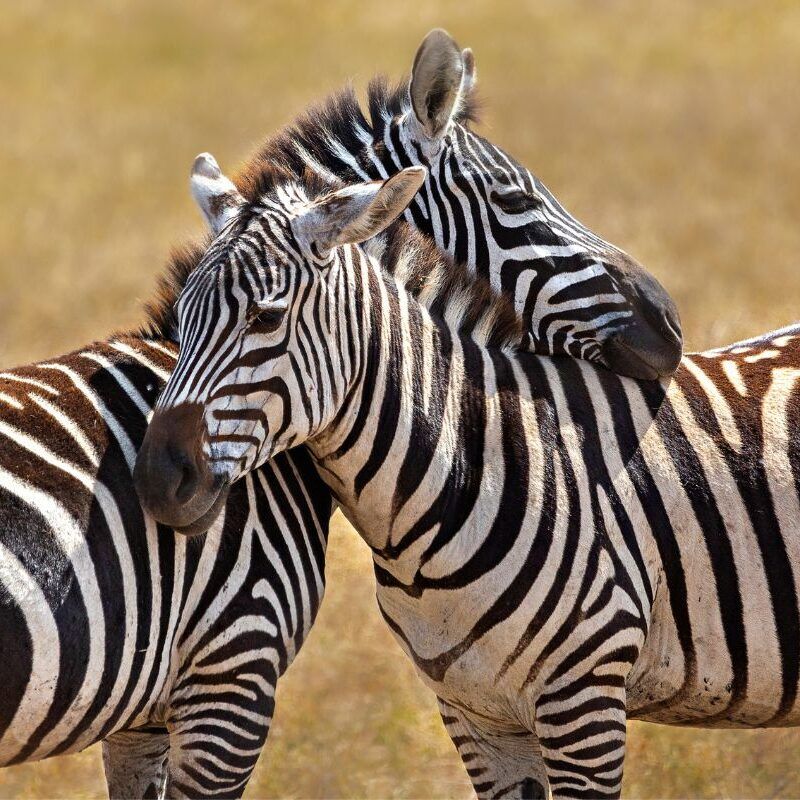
[(669, 127)]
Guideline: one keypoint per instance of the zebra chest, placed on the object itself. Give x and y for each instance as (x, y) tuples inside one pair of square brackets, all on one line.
[(459, 661), (492, 645)]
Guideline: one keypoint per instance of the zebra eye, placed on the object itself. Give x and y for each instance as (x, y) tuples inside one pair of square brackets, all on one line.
[(265, 319), (517, 201)]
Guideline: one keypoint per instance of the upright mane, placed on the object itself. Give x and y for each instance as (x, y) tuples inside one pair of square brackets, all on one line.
[(161, 321), (448, 289), (334, 125)]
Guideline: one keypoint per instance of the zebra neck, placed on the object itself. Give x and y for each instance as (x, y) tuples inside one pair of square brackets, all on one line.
[(435, 419), (413, 412)]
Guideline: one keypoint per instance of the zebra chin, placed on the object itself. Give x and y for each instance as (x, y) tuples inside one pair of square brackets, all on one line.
[(648, 348), (642, 354), (206, 520)]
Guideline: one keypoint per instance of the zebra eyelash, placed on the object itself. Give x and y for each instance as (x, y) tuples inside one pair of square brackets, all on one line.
[(516, 201), (266, 318)]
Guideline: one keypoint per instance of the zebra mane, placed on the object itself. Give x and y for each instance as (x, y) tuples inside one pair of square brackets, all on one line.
[(335, 123), (448, 289), (161, 321)]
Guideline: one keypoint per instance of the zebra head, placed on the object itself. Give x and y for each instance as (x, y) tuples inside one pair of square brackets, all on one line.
[(249, 381), (577, 294)]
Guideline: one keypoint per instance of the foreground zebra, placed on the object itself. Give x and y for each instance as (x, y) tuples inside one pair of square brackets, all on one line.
[(557, 548), (73, 424), (165, 649)]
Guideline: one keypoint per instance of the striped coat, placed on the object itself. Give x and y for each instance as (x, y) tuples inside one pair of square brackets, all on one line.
[(590, 301), (557, 548), (114, 629)]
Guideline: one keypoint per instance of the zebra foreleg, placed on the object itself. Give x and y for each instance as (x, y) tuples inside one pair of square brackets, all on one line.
[(135, 763), (214, 745), (500, 764), (583, 741)]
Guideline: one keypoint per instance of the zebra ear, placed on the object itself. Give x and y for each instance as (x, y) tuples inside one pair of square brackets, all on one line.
[(441, 79), (470, 75), (357, 213), (218, 198)]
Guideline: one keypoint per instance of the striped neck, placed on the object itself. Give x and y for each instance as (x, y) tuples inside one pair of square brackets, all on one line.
[(414, 398), (435, 406)]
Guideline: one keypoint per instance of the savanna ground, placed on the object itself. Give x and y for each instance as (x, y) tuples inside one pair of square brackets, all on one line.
[(669, 127)]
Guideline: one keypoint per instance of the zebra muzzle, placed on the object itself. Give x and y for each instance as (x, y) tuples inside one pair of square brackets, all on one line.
[(172, 475)]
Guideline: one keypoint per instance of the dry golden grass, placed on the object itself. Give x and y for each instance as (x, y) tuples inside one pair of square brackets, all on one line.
[(670, 127)]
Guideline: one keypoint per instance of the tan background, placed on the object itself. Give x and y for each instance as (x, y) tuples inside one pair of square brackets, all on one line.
[(669, 127)]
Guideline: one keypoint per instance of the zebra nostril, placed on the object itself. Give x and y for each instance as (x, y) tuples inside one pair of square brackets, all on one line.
[(188, 482)]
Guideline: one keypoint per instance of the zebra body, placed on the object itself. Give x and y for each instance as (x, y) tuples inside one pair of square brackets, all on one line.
[(112, 629), (556, 547), (722, 455)]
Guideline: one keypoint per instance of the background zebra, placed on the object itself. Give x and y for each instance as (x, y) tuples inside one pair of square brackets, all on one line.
[(167, 650), (577, 294), (556, 547)]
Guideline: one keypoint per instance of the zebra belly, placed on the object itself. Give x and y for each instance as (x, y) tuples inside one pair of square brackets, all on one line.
[(695, 678), (661, 689)]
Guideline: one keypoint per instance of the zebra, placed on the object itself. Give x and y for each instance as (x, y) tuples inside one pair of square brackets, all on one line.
[(557, 548), (577, 294), (166, 649), (284, 506)]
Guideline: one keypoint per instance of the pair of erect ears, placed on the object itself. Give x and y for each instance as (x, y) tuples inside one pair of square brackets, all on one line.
[(441, 79)]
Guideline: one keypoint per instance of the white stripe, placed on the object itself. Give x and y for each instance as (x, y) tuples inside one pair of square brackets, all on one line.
[(13, 402), (10, 376)]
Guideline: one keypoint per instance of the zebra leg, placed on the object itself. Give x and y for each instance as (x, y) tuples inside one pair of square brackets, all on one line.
[(499, 764), (583, 742), (135, 763), (215, 741)]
